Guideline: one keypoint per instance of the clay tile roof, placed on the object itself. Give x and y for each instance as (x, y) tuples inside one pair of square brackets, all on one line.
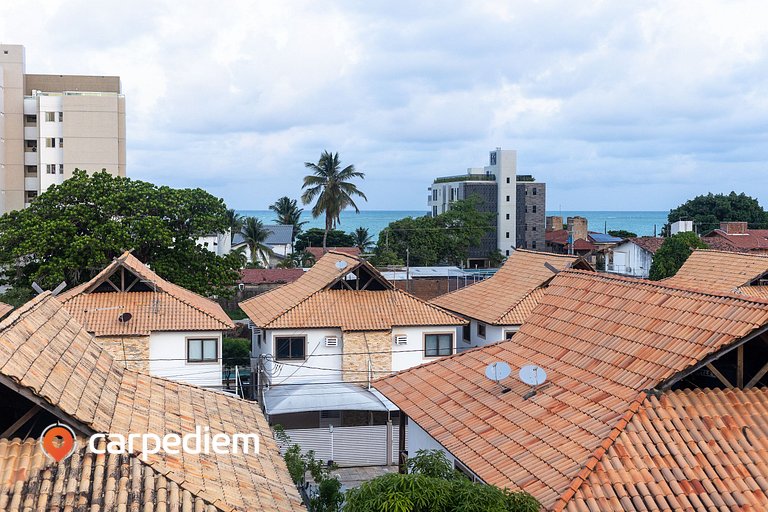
[(753, 239), (167, 308), (757, 292), (701, 449), (270, 275), (649, 243), (5, 309), (602, 340), (318, 252), (309, 302), (507, 297), (719, 271), (46, 355)]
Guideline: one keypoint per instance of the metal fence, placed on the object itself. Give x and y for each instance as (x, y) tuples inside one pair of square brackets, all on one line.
[(366, 445)]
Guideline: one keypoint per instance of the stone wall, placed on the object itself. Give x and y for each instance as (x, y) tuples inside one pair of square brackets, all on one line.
[(133, 351), (359, 346)]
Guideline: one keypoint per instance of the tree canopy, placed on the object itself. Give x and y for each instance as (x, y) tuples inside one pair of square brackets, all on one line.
[(255, 235), (446, 238), (673, 253), (432, 485), (622, 233), (707, 211), (289, 214), (313, 237), (331, 188), (73, 230)]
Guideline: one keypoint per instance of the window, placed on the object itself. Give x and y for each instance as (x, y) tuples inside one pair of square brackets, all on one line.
[(493, 158), (50, 168), (508, 334), (434, 211), (30, 118), (534, 206), (507, 198), (507, 216), (204, 350), (30, 170), (50, 117), (507, 252), (533, 244), (50, 143), (507, 234), (290, 347), (466, 332), (61, 145), (436, 345), (61, 168), (507, 179), (61, 117), (534, 191), (30, 195), (434, 194), (481, 330)]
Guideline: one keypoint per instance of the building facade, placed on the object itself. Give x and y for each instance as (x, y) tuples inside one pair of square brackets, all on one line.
[(52, 124), (516, 204)]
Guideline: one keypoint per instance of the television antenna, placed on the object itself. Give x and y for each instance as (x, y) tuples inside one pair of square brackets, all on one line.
[(498, 371), (534, 376)]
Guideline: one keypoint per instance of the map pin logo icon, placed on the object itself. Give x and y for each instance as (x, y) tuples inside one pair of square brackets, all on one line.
[(58, 441)]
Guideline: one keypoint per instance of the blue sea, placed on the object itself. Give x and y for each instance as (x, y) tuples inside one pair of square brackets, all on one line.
[(642, 223)]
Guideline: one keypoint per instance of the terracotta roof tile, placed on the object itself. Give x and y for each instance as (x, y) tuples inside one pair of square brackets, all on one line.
[(753, 239), (270, 275), (168, 308), (602, 340), (507, 297), (45, 352), (719, 271), (649, 243), (5, 309), (319, 252), (308, 302), (685, 450)]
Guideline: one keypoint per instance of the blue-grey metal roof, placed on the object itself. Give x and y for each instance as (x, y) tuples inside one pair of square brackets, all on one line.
[(280, 234), (602, 238)]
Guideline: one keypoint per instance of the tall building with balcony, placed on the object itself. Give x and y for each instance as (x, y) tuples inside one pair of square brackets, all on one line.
[(518, 206), (52, 124)]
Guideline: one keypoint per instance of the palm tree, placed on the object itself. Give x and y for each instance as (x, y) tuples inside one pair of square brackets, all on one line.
[(235, 222), (332, 189), (363, 240), (289, 214), (254, 234)]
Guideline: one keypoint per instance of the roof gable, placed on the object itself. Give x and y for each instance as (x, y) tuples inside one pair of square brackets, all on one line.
[(503, 299), (45, 353), (603, 341)]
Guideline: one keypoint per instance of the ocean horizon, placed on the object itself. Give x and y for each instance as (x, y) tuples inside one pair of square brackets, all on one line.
[(643, 223)]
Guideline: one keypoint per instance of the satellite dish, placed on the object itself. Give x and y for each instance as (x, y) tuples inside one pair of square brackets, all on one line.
[(498, 371), (533, 375), (341, 265), (124, 317)]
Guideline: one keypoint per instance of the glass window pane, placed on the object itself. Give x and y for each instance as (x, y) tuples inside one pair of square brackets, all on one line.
[(446, 342), (195, 350), (297, 348), (430, 344), (209, 350), (283, 348)]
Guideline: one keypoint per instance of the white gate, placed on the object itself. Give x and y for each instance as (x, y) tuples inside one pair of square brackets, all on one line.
[(348, 446)]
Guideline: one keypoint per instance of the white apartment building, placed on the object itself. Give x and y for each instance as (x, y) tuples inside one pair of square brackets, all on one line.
[(52, 124)]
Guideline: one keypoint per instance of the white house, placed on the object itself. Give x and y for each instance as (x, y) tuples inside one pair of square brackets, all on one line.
[(497, 306), (279, 239), (633, 257), (218, 243), (321, 340), (150, 324)]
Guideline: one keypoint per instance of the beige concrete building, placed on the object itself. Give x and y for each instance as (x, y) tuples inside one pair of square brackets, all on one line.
[(52, 124)]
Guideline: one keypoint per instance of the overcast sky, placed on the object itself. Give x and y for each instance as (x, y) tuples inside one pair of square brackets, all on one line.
[(616, 105)]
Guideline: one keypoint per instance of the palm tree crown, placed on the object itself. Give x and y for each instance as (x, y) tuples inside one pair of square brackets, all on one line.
[(289, 214), (332, 188), (235, 222), (363, 240), (254, 235)]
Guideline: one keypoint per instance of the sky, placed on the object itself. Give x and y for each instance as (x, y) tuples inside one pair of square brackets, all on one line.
[(615, 105)]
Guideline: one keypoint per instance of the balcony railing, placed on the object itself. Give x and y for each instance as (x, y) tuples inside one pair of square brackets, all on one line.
[(466, 177)]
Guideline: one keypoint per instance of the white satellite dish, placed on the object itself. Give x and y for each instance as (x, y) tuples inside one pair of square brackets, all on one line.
[(341, 265), (498, 371), (533, 375)]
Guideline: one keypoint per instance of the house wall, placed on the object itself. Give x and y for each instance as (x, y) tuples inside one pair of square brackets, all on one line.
[(631, 260), (168, 358), (362, 348), (493, 333), (412, 353), (131, 350), (321, 364), (418, 439)]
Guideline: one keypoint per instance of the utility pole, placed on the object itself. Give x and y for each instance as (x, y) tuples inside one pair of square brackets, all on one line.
[(408, 269)]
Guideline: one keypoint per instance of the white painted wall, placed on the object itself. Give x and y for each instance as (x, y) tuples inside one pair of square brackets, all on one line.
[(321, 364), (493, 334), (412, 354), (168, 358), (418, 439), (630, 259), (219, 243)]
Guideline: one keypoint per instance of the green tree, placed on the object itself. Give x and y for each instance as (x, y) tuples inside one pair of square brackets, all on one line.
[(236, 351), (622, 233), (363, 240), (302, 259), (433, 486), (254, 235), (447, 238), (234, 221), (707, 211), (289, 214), (314, 238), (73, 230), (673, 253), (332, 189)]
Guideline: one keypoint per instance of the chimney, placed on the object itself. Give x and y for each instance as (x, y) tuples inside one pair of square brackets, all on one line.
[(554, 223), (577, 226), (734, 228)]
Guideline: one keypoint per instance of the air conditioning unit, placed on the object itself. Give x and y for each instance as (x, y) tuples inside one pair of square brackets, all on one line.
[(331, 341), (401, 339)]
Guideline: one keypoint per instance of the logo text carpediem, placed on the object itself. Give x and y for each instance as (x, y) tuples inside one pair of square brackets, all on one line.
[(197, 442)]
